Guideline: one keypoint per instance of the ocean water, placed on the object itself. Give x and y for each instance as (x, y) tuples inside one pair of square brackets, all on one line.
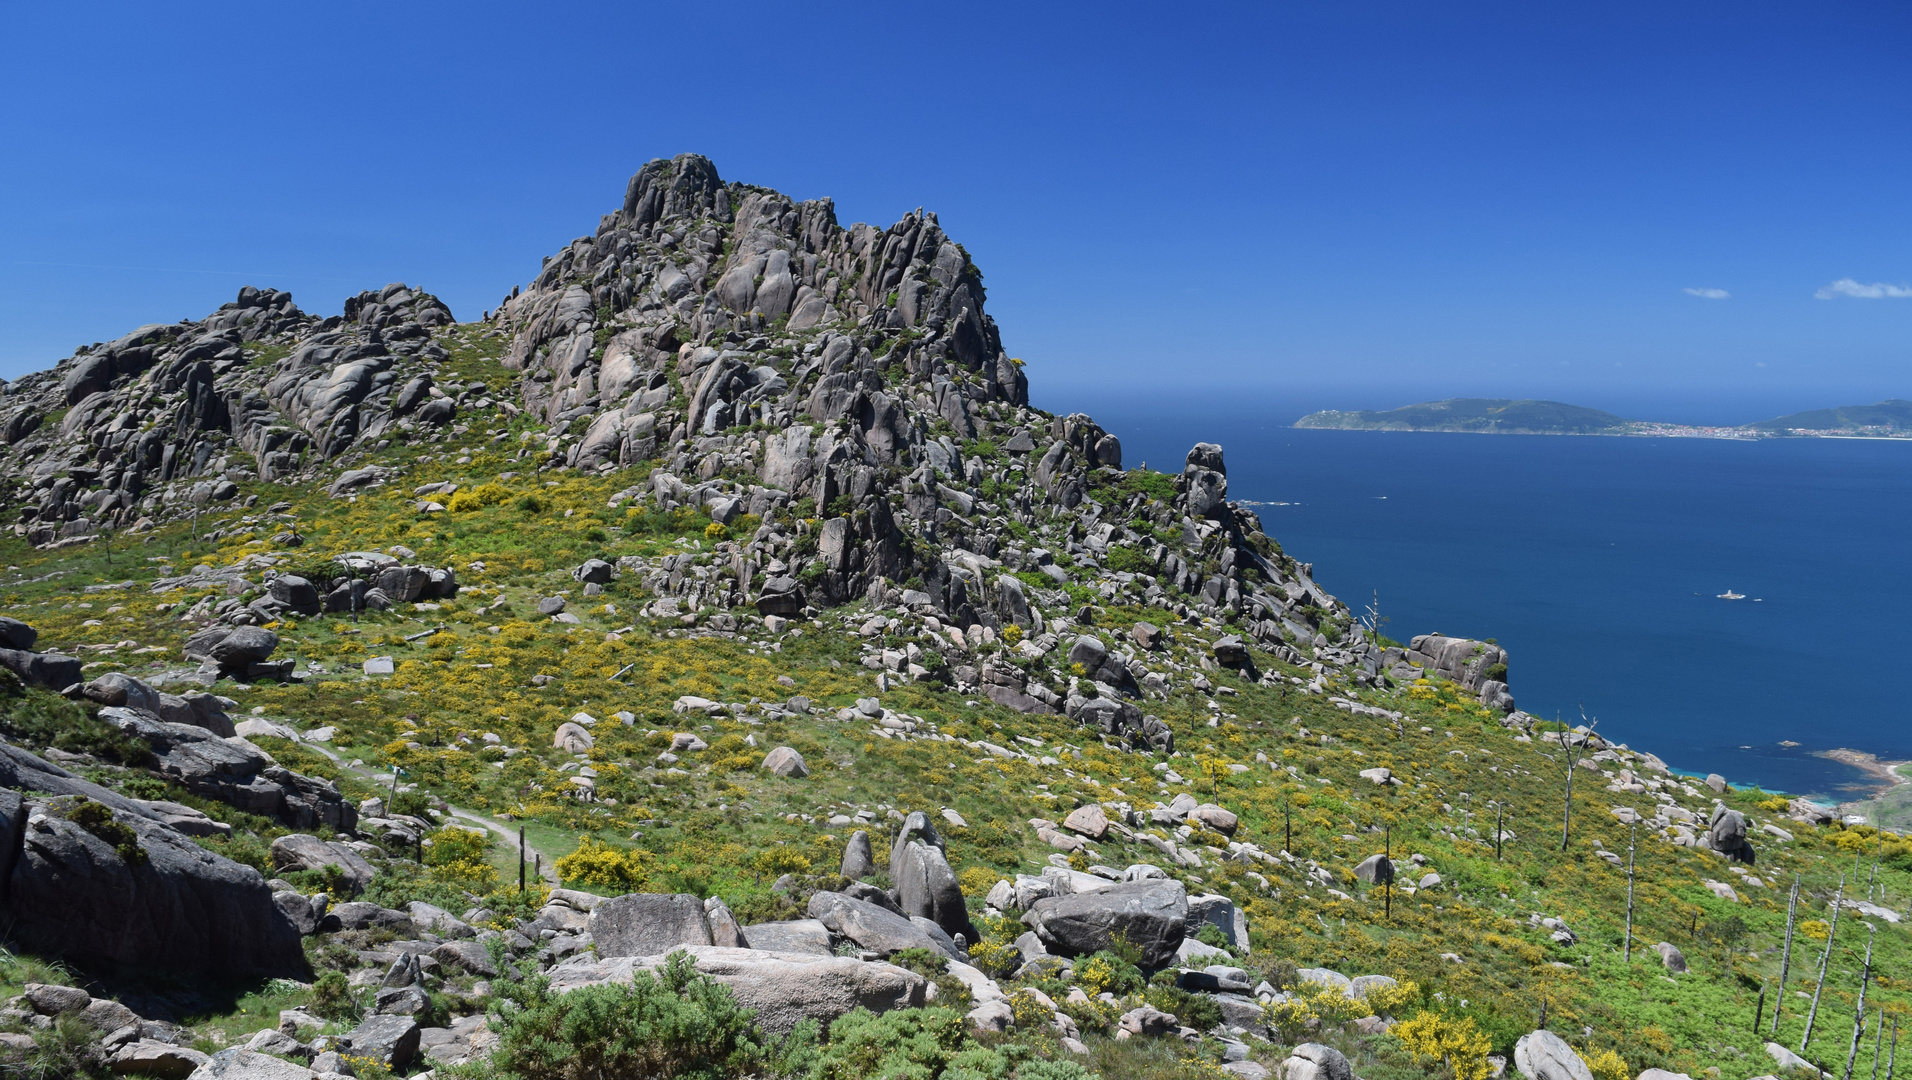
[(1597, 562)]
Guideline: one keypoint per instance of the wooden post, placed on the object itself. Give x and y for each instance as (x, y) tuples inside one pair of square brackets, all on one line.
[(521, 858), (1626, 954), (1832, 935), (1892, 1054), (1859, 1013), (1759, 1009), (1785, 959), (1387, 856)]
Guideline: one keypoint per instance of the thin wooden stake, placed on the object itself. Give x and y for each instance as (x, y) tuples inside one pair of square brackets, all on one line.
[(1785, 958), (1859, 1013), (1832, 935), (1387, 856), (1891, 1055), (1759, 1009), (521, 858)]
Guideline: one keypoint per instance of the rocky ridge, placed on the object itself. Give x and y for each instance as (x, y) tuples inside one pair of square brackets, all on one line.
[(839, 408)]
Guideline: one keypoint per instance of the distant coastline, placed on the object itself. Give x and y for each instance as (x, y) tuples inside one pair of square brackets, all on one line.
[(1886, 420)]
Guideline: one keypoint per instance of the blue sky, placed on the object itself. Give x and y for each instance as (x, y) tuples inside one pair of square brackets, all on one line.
[(1351, 204)]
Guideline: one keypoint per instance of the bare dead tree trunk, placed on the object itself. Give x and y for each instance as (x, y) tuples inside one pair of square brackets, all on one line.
[(1878, 1043), (1859, 1013), (1785, 959), (1567, 748), (1832, 935), (1633, 835)]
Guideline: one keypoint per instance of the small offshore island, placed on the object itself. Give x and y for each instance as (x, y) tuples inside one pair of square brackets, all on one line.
[(1891, 419)]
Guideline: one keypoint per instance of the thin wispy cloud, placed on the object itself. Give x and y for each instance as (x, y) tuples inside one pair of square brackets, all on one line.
[(1878, 290), (1707, 294)]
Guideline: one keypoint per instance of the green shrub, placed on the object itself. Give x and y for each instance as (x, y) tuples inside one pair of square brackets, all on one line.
[(37, 719), (1198, 1011), (918, 1044), (332, 997), (1212, 935), (67, 1050), (98, 819), (676, 1023)]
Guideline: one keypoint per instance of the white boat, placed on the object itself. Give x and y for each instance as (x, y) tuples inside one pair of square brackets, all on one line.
[(1731, 595)]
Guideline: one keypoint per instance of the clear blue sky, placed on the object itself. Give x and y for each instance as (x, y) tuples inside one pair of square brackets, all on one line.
[(1363, 204)]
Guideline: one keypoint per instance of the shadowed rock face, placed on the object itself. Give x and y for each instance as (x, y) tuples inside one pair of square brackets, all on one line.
[(175, 906)]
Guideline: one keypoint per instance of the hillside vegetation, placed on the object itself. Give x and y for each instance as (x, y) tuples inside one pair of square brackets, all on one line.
[(941, 599)]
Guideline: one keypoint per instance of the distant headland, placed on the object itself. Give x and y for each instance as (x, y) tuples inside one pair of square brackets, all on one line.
[(1890, 419)]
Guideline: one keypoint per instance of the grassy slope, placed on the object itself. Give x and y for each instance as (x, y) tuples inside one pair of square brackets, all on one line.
[(709, 831)]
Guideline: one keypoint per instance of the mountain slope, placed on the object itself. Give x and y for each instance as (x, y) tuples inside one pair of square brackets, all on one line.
[(1886, 417), (725, 479)]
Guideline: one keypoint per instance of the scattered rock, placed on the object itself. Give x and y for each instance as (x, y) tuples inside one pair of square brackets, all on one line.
[(238, 1063), (784, 761), (1542, 1055), (1088, 820), (1147, 1020), (1313, 1061), (858, 862), (1376, 869)]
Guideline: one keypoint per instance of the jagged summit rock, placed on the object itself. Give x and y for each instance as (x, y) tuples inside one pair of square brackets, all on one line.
[(739, 353)]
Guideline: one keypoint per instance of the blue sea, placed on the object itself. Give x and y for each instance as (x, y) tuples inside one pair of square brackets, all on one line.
[(1598, 563)]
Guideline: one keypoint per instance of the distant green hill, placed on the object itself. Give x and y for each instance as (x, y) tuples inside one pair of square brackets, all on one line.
[(1894, 415), (1502, 416)]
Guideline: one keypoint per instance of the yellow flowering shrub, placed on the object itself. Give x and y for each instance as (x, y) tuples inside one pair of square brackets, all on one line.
[(1455, 1041), (1607, 1065), (598, 863), (458, 855), (1389, 1000)]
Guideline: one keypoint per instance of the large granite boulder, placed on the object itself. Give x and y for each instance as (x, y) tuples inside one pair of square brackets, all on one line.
[(871, 926), (1316, 1061), (784, 988), (925, 884), (1542, 1055), (648, 924), (295, 852), (1152, 914), (1726, 830), (147, 897), (49, 670)]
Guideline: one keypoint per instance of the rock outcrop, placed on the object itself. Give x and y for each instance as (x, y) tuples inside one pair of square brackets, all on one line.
[(236, 772), (96, 878)]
